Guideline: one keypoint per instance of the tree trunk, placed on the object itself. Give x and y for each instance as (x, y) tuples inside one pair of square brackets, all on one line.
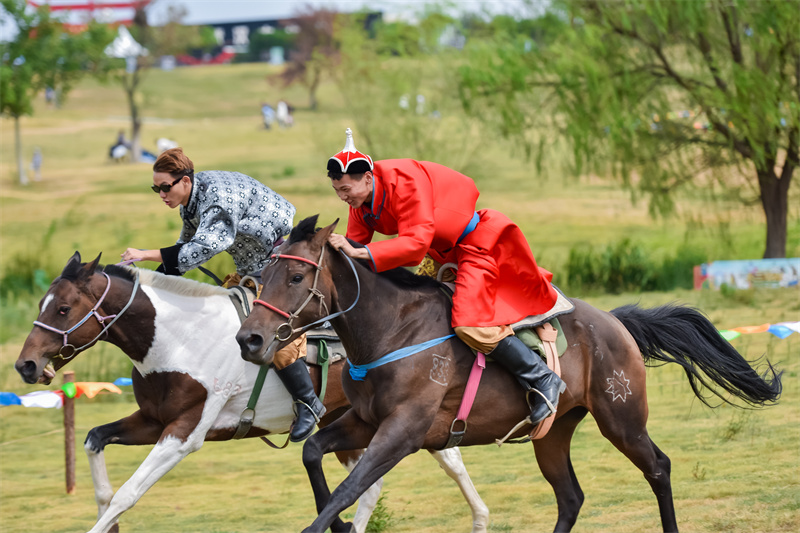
[(23, 178), (136, 122), (775, 200)]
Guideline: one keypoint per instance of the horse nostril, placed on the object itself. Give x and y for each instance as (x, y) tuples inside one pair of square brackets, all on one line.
[(250, 342), (27, 370)]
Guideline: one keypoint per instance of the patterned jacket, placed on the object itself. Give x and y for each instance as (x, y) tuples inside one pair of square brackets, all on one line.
[(231, 212)]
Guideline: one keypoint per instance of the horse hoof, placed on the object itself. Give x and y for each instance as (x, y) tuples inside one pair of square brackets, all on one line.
[(348, 528)]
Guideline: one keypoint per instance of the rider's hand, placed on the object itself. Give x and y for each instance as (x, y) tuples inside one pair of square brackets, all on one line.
[(135, 254), (340, 242)]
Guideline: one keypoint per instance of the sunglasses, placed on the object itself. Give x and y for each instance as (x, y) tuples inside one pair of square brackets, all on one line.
[(164, 187)]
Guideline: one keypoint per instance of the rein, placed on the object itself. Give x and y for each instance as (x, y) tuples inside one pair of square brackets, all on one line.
[(314, 292), (93, 312)]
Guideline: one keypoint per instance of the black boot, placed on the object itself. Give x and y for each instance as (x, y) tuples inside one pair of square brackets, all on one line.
[(543, 385), (309, 409)]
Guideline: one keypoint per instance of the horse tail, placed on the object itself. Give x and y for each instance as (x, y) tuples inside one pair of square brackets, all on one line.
[(683, 335)]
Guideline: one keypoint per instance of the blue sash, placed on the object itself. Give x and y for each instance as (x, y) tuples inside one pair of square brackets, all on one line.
[(359, 372), (471, 226)]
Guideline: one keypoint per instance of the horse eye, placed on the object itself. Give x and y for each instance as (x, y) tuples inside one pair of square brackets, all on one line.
[(297, 278), (63, 310)]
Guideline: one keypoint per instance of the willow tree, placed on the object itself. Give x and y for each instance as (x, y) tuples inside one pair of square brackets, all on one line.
[(661, 93)]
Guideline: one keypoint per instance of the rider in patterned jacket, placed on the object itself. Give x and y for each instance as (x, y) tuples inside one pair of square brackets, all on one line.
[(234, 213)]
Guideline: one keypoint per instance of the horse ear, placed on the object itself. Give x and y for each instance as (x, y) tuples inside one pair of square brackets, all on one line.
[(321, 237), (72, 266), (87, 271)]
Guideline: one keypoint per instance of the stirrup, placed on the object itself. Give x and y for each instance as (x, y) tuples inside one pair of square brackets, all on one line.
[(548, 402), (317, 418)]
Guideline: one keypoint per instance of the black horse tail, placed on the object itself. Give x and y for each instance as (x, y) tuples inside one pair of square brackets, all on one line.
[(683, 335)]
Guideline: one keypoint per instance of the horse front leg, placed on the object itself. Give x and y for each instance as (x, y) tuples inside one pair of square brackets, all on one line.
[(132, 430), (168, 452), (451, 462), (357, 435), (396, 438), (369, 500)]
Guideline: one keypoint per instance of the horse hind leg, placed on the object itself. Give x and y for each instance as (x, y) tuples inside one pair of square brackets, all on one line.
[(625, 428), (451, 462), (553, 457)]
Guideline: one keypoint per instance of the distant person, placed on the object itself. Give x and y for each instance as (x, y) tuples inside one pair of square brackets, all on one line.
[(284, 115), (268, 115), (115, 151), (36, 164), (234, 213)]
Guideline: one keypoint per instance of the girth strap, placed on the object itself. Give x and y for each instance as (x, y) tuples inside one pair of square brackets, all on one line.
[(466, 401)]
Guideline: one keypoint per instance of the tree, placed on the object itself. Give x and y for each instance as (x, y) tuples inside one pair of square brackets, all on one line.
[(41, 55), (315, 49), (661, 93)]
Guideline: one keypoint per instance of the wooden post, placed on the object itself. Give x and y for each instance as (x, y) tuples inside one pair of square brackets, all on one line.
[(69, 435)]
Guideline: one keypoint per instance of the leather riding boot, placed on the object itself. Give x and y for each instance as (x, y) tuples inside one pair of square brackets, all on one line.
[(309, 409), (543, 385)]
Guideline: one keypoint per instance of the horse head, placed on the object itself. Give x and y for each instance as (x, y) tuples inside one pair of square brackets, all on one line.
[(293, 280), (51, 343)]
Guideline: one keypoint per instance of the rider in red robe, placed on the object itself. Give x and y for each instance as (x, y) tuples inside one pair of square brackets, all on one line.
[(431, 209)]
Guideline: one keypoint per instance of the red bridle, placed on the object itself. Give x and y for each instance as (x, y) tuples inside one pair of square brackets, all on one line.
[(313, 292)]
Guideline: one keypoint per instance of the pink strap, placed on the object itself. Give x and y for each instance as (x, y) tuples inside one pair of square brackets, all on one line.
[(472, 387)]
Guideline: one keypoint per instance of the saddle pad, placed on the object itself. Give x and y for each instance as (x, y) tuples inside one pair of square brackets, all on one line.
[(334, 345), (532, 340), (562, 306)]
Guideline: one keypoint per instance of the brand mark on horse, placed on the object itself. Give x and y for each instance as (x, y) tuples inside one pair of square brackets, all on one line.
[(226, 390), (440, 370), (618, 386)]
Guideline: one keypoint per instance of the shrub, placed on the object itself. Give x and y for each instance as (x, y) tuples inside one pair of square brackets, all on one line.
[(627, 266)]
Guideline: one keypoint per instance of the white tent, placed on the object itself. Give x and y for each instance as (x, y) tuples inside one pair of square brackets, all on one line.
[(125, 46)]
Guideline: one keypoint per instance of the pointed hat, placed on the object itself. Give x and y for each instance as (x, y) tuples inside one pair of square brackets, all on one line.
[(350, 160)]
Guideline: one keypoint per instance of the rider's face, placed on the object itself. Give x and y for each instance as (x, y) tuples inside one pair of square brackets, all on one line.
[(354, 192), (178, 191)]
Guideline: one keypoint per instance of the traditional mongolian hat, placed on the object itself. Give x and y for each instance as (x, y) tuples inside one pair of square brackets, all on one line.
[(350, 160)]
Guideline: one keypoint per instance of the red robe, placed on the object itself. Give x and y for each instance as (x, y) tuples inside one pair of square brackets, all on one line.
[(429, 206)]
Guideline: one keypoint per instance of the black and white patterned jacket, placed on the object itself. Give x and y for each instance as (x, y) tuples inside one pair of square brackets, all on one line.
[(231, 212)]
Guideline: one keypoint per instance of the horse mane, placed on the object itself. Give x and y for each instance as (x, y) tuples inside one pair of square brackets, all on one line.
[(304, 230), (174, 284)]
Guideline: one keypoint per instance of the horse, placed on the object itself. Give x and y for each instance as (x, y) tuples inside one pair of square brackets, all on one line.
[(189, 382), (405, 404)]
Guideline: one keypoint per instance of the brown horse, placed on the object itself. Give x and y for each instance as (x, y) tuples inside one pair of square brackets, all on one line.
[(408, 404), (188, 379)]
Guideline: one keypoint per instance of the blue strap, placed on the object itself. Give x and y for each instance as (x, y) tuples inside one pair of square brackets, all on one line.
[(359, 372), (471, 226)]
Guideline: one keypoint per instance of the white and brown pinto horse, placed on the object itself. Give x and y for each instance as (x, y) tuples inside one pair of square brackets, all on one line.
[(188, 379)]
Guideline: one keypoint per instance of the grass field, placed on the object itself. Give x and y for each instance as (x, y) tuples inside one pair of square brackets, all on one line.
[(733, 470)]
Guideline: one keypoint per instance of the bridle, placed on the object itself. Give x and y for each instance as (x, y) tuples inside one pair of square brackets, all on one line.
[(287, 327), (66, 356)]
